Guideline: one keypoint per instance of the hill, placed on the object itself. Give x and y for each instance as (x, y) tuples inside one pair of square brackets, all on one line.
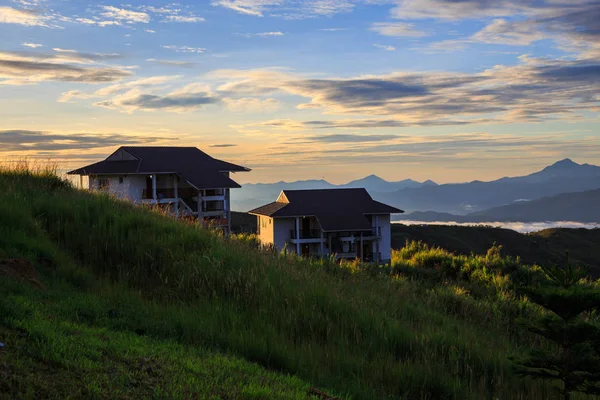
[(548, 246), (103, 299), (564, 176), (578, 206)]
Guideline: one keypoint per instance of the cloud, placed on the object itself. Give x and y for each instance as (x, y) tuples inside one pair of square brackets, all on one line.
[(345, 138), (333, 29), (19, 69), (32, 45), (251, 105), (147, 82), (184, 49), (182, 18), (18, 140), (223, 145), (385, 47), (172, 62), (127, 16), (574, 26), (190, 98), (287, 9), (531, 91), (248, 7), (262, 34), (513, 33), (397, 29), (9, 15), (149, 31)]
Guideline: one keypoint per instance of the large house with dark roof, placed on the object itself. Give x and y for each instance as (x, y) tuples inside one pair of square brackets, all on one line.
[(345, 223), (183, 180)]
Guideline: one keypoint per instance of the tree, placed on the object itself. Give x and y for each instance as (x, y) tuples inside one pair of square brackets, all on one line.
[(573, 356)]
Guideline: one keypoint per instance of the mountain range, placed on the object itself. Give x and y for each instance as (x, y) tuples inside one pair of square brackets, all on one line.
[(577, 206), (458, 199)]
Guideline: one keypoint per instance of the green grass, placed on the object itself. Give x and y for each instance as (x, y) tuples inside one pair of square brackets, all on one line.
[(49, 355), (167, 288)]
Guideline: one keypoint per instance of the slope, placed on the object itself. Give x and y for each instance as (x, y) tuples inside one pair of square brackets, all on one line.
[(149, 282)]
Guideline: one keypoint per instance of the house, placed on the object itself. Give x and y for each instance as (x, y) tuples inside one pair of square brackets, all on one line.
[(183, 180), (346, 223)]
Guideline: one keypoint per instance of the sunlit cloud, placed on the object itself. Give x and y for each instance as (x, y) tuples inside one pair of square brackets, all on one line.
[(184, 49), (33, 45)]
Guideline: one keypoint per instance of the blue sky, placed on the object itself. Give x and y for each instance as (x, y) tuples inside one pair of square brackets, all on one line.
[(427, 89)]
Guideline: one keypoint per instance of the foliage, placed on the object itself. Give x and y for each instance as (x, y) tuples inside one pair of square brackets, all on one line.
[(575, 358), (429, 326)]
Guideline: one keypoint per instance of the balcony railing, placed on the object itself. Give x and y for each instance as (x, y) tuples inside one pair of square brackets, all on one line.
[(306, 234), (169, 193)]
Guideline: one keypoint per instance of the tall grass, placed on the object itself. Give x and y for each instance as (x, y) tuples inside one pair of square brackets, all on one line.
[(363, 331)]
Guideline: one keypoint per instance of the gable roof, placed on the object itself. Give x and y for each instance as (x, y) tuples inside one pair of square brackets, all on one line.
[(198, 168), (336, 209)]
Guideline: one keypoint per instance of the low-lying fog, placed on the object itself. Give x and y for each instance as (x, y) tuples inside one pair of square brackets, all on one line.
[(523, 227)]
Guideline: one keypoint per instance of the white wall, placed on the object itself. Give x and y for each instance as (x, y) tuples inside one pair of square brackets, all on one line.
[(265, 230), (282, 233), (385, 245)]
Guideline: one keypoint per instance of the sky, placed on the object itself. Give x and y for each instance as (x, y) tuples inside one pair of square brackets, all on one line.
[(449, 90)]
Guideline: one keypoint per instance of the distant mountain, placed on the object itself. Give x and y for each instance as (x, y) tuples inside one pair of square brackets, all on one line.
[(578, 206), (253, 195), (564, 176)]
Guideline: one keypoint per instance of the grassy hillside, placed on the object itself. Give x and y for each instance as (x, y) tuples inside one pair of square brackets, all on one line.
[(543, 247), (124, 302)]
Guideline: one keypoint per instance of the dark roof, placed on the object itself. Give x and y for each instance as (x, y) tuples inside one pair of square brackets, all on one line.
[(336, 209), (192, 164)]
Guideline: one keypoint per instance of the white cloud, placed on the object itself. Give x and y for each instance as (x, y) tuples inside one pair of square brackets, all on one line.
[(288, 9), (32, 45), (149, 31), (128, 16), (182, 19), (262, 34), (399, 29), (19, 69), (184, 49), (385, 47), (9, 15), (248, 7), (171, 62), (248, 104)]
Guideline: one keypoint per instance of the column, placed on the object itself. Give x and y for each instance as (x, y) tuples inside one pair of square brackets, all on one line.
[(322, 244), (154, 188), (377, 238), (297, 235), (362, 255), (176, 189)]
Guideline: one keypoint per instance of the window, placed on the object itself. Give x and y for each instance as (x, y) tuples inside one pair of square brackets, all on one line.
[(102, 184)]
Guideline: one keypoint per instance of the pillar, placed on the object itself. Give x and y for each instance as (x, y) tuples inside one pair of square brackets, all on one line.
[(297, 235), (154, 187), (176, 194)]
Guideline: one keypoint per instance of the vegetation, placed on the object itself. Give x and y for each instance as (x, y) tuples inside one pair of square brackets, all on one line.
[(570, 302), (131, 303), (544, 247)]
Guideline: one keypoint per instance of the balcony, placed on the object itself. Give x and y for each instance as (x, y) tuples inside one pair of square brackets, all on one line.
[(306, 234), (168, 193)]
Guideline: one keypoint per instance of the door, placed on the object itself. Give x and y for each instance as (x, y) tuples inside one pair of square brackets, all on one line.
[(148, 188), (305, 233)]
